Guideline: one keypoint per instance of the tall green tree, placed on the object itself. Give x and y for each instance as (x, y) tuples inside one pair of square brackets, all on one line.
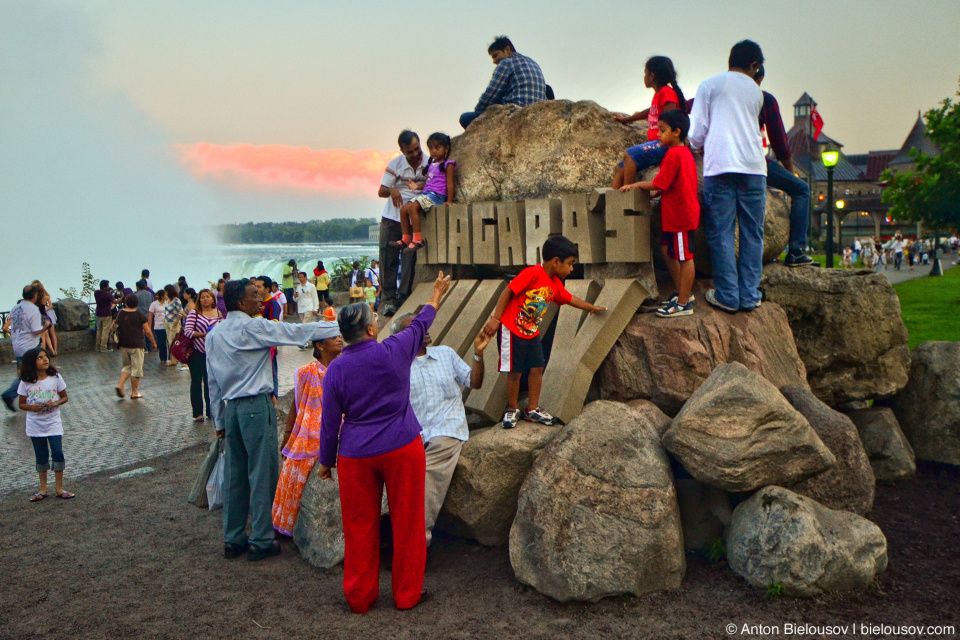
[(931, 193)]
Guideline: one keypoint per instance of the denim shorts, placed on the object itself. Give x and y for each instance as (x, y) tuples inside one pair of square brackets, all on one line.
[(428, 199), (648, 154)]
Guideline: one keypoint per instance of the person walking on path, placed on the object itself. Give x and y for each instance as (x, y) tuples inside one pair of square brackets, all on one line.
[(371, 434), (196, 327), (395, 187), (305, 294), (42, 392), (437, 377), (172, 321), (156, 323), (133, 331), (516, 79), (301, 448), (724, 125), (241, 385), (104, 299), (145, 299), (289, 282), (26, 325)]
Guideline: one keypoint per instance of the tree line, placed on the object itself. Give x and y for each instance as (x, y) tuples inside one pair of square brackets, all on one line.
[(336, 230)]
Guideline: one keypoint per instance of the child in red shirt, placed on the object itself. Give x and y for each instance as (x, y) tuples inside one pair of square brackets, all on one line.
[(679, 210), (517, 318)]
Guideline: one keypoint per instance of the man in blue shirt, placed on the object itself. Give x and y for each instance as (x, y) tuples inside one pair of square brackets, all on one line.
[(437, 378), (516, 80), (240, 378)]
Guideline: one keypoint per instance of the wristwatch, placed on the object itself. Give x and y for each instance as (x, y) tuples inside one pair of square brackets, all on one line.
[(477, 358)]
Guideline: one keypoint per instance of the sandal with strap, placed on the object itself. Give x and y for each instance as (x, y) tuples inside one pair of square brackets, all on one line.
[(37, 497), (66, 495)]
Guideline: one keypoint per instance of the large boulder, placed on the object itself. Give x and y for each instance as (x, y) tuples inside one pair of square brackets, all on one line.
[(891, 455), (737, 433), (72, 314), (928, 408), (318, 532), (598, 513), (847, 328), (849, 484), (547, 149), (778, 537), (665, 361), (652, 414), (481, 501)]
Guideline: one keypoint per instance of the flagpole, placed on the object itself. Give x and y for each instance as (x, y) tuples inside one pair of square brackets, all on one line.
[(810, 166)]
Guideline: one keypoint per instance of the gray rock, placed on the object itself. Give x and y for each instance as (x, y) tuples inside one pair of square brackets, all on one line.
[(654, 416), (737, 433), (778, 537), (318, 532), (598, 513), (928, 408), (72, 314), (481, 501), (849, 484), (889, 451), (665, 362), (847, 328)]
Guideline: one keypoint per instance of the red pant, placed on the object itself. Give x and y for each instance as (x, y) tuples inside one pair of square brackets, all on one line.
[(361, 490)]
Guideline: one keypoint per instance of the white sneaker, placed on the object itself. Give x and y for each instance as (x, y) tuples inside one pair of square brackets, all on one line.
[(184, 368)]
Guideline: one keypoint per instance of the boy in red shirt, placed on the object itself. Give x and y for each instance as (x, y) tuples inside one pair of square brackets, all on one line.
[(517, 318), (679, 210)]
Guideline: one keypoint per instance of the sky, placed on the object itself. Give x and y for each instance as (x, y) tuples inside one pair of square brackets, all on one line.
[(127, 114)]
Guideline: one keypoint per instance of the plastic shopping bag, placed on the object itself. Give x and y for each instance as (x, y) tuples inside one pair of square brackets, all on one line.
[(198, 493), (215, 484)]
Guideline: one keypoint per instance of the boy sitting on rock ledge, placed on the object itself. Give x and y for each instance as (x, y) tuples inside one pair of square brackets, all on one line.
[(517, 317), (679, 210)]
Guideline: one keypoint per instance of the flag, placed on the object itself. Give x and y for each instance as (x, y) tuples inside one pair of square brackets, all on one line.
[(817, 122)]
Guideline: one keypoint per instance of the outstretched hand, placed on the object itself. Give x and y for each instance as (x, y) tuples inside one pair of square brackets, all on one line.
[(595, 309), (481, 342), (440, 287)]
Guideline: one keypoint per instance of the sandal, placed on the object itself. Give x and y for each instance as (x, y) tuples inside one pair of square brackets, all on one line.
[(413, 247), (66, 495), (200, 419), (119, 392), (136, 396), (37, 497)]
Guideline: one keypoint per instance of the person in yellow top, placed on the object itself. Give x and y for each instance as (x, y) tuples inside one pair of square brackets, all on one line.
[(288, 284), (322, 281)]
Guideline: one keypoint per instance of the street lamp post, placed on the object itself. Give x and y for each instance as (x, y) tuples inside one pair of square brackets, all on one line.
[(830, 156)]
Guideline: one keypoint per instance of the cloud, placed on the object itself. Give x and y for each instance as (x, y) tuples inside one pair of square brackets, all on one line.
[(331, 172)]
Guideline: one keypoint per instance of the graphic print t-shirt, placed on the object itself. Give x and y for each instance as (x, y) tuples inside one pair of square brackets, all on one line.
[(47, 422), (532, 291), (660, 100)]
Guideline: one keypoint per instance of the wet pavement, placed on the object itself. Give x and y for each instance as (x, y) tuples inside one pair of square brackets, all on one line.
[(102, 431)]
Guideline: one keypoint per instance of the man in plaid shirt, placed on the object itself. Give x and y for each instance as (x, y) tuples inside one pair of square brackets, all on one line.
[(516, 80)]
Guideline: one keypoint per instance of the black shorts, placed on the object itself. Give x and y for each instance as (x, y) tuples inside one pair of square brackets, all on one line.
[(519, 354), (324, 295)]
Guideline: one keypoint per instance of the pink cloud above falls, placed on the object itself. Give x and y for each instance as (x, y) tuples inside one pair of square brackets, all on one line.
[(329, 172)]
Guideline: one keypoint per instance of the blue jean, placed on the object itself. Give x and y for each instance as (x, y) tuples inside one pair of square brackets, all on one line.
[(799, 192), (648, 154), (160, 335), (732, 198), (468, 117), (43, 454), (11, 391)]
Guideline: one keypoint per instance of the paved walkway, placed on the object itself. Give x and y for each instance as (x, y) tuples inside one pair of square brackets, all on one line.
[(906, 273), (103, 432)]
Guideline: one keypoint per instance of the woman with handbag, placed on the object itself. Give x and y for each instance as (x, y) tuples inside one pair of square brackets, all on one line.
[(171, 320), (198, 324)]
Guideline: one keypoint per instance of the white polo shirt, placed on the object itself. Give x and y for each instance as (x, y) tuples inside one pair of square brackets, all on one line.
[(396, 175), (725, 124)]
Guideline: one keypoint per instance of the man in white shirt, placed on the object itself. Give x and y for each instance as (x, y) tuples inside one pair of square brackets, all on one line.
[(308, 303), (437, 378), (26, 325), (394, 188), (724, 124)]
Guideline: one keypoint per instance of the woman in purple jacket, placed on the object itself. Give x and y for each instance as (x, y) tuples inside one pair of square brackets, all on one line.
[(369, 432)]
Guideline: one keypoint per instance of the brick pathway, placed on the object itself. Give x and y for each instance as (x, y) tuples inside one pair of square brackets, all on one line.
[(103, 432)]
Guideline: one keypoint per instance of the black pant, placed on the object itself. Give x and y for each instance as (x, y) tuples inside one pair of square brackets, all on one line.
[(393, 259), (198, 379)]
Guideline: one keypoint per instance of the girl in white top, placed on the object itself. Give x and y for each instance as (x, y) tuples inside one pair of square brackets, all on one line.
[(42, 391)]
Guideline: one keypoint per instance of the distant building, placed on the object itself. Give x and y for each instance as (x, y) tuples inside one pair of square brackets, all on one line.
[(857, 178), (373, 233)]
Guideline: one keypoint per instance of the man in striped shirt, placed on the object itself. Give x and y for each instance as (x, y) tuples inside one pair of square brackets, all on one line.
[(516, 80)]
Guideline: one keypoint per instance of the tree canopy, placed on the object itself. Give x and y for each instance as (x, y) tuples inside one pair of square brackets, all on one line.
[(931, 193), (336, 230)]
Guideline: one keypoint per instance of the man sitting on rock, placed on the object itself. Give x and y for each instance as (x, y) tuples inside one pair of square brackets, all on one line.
[(516, 80), (436, 378)]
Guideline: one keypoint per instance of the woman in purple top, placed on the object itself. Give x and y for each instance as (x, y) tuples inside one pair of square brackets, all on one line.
[(196, 327), (379, 444)]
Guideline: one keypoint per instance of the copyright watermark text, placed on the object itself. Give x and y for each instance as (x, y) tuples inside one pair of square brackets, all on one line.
[(839, 630)]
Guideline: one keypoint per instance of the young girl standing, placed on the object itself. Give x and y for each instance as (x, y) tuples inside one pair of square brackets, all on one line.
[(42, 391), (437, 190), (659, 75)]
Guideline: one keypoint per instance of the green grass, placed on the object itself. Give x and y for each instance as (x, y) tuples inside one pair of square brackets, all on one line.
[(930, 307)]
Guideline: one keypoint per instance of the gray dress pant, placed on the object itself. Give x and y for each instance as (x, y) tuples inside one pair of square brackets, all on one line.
[(442, 454), (392, 260), (251, 469)]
